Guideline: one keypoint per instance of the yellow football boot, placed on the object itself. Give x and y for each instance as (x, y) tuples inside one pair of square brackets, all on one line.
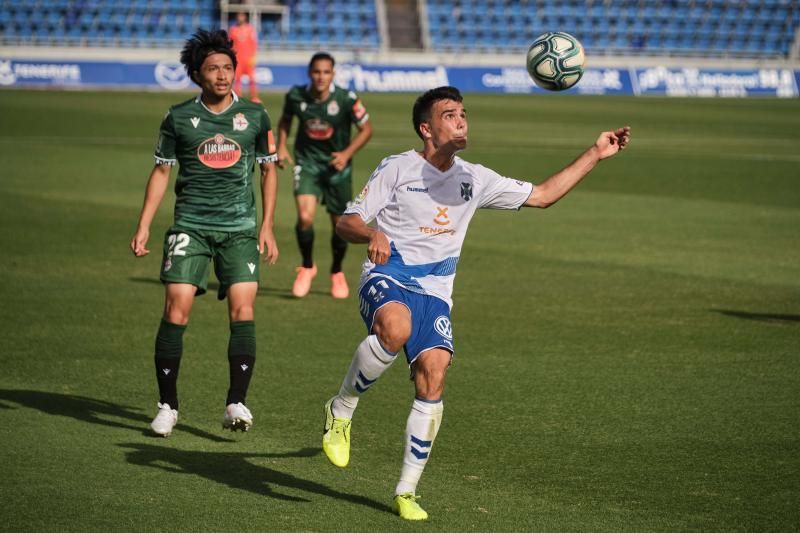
[(407, 507), (336, 437)]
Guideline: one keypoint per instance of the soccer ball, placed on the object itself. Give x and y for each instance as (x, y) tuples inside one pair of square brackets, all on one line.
[(555, 61)]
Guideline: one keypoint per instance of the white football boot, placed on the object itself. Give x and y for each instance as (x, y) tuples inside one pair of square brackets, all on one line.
[(165, 420), (237, 417)]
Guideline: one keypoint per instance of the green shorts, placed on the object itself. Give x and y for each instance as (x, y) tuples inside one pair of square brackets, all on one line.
[(333, 189), (187, 253)]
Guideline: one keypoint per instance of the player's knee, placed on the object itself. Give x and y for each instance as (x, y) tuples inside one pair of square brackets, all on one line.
[(429, 382), (392, 326), (176, 315), (392, 340), (304, 220), (393, 334), (241, 312)]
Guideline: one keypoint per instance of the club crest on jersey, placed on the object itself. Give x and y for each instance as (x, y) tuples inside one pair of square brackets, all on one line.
[(466, 191), (239, 122), (219, 152), (333, 108), (195, 121), (303, 106)]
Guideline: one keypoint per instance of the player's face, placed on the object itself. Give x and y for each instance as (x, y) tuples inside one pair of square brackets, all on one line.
[(448, 125), (321, 75), (216, 75)]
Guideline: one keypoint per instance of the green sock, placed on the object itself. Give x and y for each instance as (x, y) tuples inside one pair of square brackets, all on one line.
[(241, 359), (168, 352), (305, 240)]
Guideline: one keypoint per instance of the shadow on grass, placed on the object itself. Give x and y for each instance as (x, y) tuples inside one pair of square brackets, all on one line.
[(238, 472), (91, 411), (760, 317), (213, 286)]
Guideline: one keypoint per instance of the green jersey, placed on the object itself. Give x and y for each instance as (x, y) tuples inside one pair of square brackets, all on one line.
[(324, 126), (216, 153)]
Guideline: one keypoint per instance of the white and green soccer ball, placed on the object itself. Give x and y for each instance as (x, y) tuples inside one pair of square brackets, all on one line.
[(556, 60)]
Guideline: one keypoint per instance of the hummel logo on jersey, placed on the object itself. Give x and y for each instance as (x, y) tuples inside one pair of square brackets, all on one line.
[(195, 121), (244, 367), (252, 267), (166, 371)]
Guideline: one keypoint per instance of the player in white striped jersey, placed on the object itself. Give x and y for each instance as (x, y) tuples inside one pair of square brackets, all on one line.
[(419, 205)]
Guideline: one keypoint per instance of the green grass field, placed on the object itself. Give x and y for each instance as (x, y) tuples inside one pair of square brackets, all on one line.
[(627, 360)]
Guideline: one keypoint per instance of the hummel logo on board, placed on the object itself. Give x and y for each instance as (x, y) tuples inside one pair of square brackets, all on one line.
[(195, 121), (252, 267)]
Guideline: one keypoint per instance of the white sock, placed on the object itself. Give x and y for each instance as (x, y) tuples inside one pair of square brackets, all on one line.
[(421, 428), (369, 362)]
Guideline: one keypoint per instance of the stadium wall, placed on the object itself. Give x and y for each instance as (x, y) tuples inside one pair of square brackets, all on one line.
[(81, 68)]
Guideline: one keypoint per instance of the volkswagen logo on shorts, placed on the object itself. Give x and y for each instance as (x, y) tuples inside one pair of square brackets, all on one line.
[(443, 327), (172, 75)]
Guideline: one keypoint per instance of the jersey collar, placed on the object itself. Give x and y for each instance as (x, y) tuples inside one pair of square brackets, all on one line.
[(198, 99), (331, 89)]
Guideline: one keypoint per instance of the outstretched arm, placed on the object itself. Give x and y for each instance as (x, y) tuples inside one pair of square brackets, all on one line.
[(154, 193), (352, 228), (556, 186)]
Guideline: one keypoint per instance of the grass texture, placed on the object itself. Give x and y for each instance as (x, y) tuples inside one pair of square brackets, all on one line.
[(627, 360)]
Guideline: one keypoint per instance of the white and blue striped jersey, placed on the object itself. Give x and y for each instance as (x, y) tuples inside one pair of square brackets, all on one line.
[(425, 214)]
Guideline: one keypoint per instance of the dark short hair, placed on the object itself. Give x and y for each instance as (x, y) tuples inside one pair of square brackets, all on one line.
[(321, 56), (201, 45), (424, 103)]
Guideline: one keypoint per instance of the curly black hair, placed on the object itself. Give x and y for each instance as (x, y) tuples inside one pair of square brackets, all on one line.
[(202, 44), (422, 107)]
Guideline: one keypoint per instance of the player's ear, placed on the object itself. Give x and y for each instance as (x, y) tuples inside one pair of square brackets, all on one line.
[(425, 130)]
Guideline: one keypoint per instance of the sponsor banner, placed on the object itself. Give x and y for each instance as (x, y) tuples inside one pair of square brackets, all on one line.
[(517, 80), (170, 75), (715, 82), (383, 78)]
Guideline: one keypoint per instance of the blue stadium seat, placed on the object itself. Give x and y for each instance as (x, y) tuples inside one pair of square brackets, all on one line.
[(757, 27)]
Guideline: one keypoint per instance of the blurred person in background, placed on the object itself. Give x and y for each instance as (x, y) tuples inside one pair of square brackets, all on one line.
[(245, 44), (323, 168)]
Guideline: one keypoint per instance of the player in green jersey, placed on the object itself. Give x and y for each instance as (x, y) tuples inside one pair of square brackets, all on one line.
[(323, 167), (216, 138)]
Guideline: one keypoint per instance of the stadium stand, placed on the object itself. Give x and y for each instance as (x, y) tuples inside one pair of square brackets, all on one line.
[(339, 24), (735, 28), (313, 24), (717, 28)]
